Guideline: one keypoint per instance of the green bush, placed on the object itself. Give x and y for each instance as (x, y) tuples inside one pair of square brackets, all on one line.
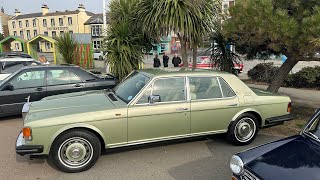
[(308, 77), (263, 72)]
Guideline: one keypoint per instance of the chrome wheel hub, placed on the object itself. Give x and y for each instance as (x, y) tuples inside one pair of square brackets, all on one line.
[(245, 129)]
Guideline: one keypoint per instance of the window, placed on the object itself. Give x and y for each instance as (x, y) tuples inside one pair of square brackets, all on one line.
[(28, 34), (46, 33), (20, 24), (13, 24), (96, 44), (14, 33), (70, 32), (28, 79), (170, 89), (59, 76), (44, 23), (27, 23), (96, 30), (21, 34), (48, 45), (60, 22), (34, 22), (61, 33), (35, 33), (204, 88), (52, 22), (226, 90), (70, 21), (17, 46), (145, 97), (54, 34)]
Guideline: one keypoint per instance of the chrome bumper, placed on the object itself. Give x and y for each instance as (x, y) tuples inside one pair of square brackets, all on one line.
[(22, 149)]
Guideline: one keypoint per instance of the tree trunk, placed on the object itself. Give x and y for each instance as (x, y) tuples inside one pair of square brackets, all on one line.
[(184, 54), (282, 73), (195, 54)]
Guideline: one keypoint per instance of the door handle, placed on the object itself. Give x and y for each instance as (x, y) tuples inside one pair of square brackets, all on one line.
[(39, 89), (77, 85), (182, 109), (231, 105)]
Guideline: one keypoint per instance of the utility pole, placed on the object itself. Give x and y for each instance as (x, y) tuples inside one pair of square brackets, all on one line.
[(104, 17)]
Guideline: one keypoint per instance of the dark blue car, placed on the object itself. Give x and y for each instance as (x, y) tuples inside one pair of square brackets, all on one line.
[(293, 158)]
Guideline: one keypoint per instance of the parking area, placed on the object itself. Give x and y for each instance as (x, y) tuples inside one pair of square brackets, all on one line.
[(201, 158)]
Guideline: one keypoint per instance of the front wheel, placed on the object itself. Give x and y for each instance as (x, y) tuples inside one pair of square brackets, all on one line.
[(243, 130), (75, 151)]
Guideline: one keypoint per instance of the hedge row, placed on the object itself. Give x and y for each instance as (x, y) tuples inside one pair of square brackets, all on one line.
[(308, 77)]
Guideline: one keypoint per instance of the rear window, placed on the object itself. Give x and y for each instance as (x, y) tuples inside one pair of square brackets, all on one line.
[(227, 91)]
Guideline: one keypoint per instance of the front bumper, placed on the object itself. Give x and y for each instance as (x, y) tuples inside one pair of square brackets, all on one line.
[(26, 149)]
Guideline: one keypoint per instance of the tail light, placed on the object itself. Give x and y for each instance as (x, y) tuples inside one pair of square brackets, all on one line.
[(289, 107)]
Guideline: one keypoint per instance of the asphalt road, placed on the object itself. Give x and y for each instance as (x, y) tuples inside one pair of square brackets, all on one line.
[(201, 158)]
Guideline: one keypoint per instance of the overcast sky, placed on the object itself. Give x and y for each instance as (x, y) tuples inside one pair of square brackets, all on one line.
[(33, 6)]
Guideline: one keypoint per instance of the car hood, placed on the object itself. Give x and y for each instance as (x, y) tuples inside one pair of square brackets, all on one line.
[(82, 105), (296, 159)]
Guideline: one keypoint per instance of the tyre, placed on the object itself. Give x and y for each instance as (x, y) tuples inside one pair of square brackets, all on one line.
[(75, 151), (243, 130)]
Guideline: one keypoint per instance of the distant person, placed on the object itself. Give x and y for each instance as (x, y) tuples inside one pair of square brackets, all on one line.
[(156, 61), (165, 59), (176, 60)]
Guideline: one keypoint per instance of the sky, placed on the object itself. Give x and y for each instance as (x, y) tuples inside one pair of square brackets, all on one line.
[(33, 6)]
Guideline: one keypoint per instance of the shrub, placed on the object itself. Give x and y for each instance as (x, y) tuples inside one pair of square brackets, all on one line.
[(308, 77), (263, 72)]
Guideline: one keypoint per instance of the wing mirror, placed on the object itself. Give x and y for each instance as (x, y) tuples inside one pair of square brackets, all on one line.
[(154, 98), (8, 87)]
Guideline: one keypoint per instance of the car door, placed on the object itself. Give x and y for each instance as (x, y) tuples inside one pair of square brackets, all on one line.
[(165, 119), (62, 80), (26, 83), (213, 104)]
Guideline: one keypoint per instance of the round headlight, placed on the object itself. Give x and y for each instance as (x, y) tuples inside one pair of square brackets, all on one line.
[(236, 165)]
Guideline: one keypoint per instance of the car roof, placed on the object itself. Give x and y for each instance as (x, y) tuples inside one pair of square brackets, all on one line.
[(180, 71), (16, 59)]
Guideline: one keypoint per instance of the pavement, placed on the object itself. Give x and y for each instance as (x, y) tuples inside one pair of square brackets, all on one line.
[(200, 158), (305, 97)]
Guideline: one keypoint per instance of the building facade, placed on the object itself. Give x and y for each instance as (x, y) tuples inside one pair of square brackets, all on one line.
[(4, 29), (51, 24), (95, 26)]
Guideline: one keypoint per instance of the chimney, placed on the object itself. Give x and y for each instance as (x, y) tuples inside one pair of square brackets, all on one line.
[(44, 9), (17, 12), (2, 10), (81, 8)]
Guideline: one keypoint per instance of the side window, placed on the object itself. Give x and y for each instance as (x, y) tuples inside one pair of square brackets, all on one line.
[(227, 91), (204, 88), (145, 97), (170, 89), (29, 79), (61, 76)]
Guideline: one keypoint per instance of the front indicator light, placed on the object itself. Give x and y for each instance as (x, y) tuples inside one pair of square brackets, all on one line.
[(27, 133)]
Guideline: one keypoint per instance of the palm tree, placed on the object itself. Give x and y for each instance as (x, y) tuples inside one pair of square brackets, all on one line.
[(189, 19), (125, 40), (66, 46)]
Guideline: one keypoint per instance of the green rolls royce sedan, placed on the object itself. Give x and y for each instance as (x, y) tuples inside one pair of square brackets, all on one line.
[(148, 106)]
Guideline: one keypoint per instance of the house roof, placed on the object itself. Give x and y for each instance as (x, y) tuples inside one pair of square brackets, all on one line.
[(82, 38), (97, 19), (57, 13)]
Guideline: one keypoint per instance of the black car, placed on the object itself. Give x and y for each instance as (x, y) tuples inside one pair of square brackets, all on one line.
[(42, 81), (293, 158)]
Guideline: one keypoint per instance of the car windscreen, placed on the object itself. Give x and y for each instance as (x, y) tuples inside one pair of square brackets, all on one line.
[(313, 130), (10, 67), (131, 86)]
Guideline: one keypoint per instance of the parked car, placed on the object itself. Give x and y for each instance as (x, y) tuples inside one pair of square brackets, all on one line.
[(204, 62), (98, 55), (149, 106), (294, 158), (11, 65), (14, 54), (37, 82)]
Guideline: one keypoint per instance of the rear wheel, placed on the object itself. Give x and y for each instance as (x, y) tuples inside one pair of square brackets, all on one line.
[(243, 130), (75, 151)]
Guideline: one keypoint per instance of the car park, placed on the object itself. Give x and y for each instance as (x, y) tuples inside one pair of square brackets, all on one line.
[(11, 65), (148, 106), (33, 83), (294, 158)]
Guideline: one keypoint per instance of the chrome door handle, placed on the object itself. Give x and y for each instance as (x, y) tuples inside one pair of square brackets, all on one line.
[(232, 105), (182, 109)]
